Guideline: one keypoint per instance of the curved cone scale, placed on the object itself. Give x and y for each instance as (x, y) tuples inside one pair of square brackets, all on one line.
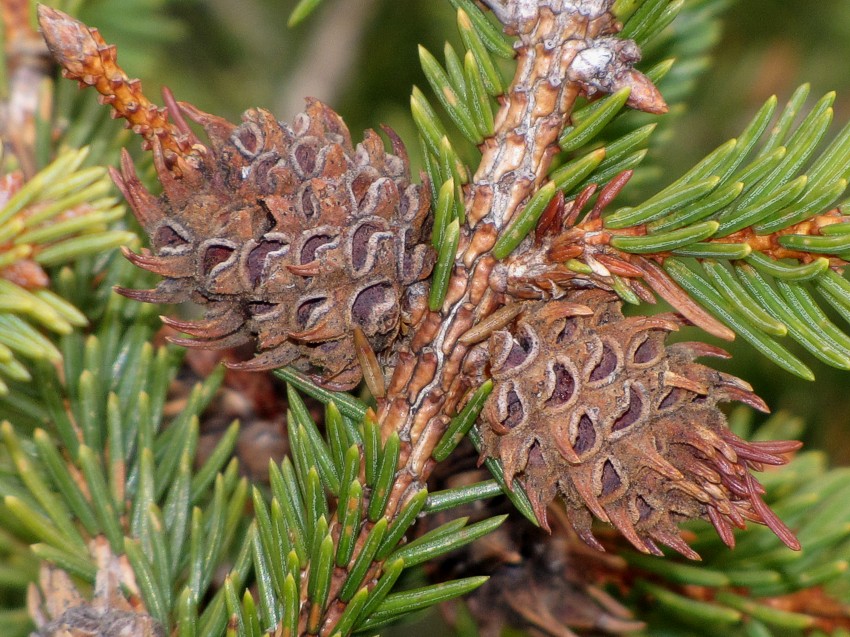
[(176, 114), (163, 293), (233, 340), (218, 129), (168, 266), (213, 327), (270, 359), (143, 204)]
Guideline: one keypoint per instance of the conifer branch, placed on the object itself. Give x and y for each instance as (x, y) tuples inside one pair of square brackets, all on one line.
[(64, 212), (504, 325)]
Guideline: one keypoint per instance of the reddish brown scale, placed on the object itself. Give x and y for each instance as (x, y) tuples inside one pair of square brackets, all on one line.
[(609, 193), (552, 217), (599, 411), (288, 234)]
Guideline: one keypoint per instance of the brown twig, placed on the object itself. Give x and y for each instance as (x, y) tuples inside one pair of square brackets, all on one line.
[(427, 385), (87, 58)]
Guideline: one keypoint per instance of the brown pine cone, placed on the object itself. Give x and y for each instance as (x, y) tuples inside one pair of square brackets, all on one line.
[(595, 408), (285, 233)]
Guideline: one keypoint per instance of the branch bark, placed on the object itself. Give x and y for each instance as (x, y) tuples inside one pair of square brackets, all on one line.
[(557, 60)]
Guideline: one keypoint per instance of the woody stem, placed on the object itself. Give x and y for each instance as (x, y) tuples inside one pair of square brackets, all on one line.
[(428, 384)]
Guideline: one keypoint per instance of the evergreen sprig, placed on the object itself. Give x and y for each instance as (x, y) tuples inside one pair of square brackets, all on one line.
[(320, 551), (299, 526), (466, 86), (126, 476), (103, 464), (750, 232), (63, 213)]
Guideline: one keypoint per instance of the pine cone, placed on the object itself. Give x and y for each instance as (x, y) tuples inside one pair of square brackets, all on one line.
[(594, 407), (285, 233)]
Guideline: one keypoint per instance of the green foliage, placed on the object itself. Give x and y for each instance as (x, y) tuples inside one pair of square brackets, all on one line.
[(63, 213), (445, 265), (126, 475), (676, 58), (344, 466), (87, 442), (764, 182), (465, 87), (121, 473), (302, 10)]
